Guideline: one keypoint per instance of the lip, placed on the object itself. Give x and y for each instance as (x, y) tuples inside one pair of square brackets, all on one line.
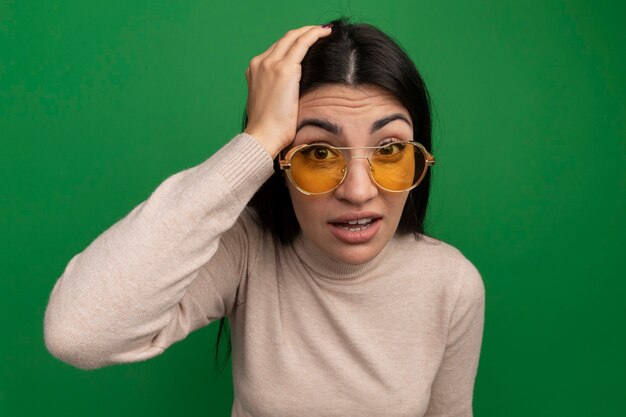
[(363, 235), (352, 216)]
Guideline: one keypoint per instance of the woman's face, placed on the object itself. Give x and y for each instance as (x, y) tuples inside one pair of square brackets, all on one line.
[(350, 116)]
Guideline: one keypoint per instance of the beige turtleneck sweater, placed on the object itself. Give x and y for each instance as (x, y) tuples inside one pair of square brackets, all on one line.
[(397, 336)]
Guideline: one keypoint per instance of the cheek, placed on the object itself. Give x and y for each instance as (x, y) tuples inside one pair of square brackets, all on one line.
[(395, 205), (311, 212)]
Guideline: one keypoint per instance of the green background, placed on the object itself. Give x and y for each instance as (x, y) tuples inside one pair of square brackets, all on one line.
[(101, 101)]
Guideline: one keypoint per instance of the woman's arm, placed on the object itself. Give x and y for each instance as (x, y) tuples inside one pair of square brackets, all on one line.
[(453, 387), (124, 298)]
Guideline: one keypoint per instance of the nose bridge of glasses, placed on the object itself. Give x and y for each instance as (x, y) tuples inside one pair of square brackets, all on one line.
[(358, 176), (351, 153), (365, 157)]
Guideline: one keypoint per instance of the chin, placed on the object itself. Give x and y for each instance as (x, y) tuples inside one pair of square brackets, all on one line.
[(354, 256)]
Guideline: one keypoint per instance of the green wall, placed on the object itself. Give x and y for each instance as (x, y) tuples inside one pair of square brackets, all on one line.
[(101, 101)]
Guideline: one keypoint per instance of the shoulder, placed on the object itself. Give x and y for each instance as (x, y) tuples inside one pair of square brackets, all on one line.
[(245, 235), (433, 253), (443, 263), (247, 223)]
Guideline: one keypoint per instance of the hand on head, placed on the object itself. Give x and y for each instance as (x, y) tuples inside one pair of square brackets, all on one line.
[(273, 88)]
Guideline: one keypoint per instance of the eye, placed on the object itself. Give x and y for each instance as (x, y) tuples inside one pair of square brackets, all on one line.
[(391, 148), (319, 152)]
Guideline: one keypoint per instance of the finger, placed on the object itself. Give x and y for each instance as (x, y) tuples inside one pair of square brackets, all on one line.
[(259, 58), (280, 47), (301, 45), (285, 43), (267, 51)]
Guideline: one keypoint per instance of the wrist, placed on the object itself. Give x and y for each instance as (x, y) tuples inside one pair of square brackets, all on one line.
[(271, 147)]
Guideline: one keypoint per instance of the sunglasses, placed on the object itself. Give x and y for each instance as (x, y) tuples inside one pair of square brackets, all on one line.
[(320, 168)]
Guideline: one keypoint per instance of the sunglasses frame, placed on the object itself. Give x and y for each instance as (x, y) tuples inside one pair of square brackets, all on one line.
[(285, 163)]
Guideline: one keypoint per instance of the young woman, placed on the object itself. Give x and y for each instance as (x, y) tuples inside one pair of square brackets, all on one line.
[(306, 232)]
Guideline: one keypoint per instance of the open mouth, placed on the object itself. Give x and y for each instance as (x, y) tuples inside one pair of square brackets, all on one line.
[(356, 230), (356, 225)]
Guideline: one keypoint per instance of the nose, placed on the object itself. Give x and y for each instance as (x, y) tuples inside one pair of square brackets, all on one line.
[(357, 187)]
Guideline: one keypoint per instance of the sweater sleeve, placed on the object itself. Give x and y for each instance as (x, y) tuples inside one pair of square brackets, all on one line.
[(129, 294), (453, 387)]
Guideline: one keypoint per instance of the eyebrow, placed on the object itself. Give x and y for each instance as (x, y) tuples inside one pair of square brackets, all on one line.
[(379, 124), (336, 130), (322, 124)]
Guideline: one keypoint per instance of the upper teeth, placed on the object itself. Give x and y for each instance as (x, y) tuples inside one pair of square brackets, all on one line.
[(360, 221)]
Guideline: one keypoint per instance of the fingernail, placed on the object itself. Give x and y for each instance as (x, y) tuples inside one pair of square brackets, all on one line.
[(327, 25)]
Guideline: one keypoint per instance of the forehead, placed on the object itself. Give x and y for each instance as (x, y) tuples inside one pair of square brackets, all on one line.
[(334, 101)]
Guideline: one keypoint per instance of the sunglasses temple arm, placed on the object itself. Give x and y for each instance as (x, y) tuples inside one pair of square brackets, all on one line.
[(282, 163)]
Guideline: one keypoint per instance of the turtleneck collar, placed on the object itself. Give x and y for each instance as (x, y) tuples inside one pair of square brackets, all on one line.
[(329, 268)]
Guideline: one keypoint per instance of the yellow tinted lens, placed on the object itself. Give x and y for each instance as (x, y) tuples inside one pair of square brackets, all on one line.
[(398, 166), (317, 168)]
